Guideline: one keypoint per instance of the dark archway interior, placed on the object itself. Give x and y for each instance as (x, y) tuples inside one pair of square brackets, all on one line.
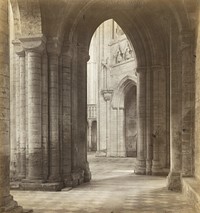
[(130, 107)]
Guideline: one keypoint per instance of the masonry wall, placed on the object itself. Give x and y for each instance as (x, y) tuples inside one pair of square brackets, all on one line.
[(197, 107)]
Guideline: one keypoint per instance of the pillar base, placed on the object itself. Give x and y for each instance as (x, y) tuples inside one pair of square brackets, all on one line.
[(68, 180), (148, 167), (77, 177), (174, 181), (87, 173), (11, 206), (157, 169), (101, 153), (40, 185), (140, 167), (16, 209)]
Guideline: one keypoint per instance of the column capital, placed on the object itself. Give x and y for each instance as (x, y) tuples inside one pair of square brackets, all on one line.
[(54, 46), (107, 94), (19, 50), (141, 69), (33, 43), (90, 122)]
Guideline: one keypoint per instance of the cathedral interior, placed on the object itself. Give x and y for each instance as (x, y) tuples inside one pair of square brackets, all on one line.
[(99, 106)]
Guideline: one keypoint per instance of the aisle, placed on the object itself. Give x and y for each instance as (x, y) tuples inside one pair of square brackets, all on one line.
[(114, 189)]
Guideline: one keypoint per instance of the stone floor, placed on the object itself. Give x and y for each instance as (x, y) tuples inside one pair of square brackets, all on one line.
[(114, 189)]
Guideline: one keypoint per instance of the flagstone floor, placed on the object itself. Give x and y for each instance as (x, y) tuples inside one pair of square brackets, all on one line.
[(114, 189)]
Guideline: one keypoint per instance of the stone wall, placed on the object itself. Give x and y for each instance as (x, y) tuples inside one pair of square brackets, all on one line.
[(197, 107)]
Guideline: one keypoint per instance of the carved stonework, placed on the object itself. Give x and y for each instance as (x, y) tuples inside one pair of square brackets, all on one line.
[(107, 94), (18, 48), (123, 52), (33, 43)]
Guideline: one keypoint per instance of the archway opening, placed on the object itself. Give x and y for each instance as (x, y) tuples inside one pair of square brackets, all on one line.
[(130, 106), (111, 98)]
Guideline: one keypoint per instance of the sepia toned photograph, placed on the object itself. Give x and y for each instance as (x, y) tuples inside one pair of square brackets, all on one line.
[(100, 106)]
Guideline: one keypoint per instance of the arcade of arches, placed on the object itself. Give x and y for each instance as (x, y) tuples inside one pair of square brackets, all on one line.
[(44, 52)]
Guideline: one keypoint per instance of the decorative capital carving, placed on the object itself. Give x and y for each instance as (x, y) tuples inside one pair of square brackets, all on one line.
[(90, 122), (107, 94), (18, 48), (54, 46), (33, 43), (141, 70)]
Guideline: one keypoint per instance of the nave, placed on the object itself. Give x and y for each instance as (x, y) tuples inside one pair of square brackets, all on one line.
[(114, 188)]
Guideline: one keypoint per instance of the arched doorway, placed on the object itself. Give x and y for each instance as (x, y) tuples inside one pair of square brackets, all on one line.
[(130, 107), (94, 136)]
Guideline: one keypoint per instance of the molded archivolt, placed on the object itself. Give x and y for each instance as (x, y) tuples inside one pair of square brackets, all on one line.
[(144, 25), (119, 94)]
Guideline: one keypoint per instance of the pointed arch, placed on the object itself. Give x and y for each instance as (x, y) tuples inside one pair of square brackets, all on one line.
[(124, 85)]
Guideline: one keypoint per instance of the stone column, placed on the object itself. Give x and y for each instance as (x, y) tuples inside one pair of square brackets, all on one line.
[(107, 95), (188, 102), (6, 201), (17, 113), (157, 119), (89, 135), (67, 114), (83, 57), (53, 51), (141, 122), (34, 47), (174, 180), (121, 133), (22, 109), (148, 123)]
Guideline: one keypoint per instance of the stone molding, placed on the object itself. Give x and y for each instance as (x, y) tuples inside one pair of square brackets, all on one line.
[(185, 40), (141, 69), (158, 68), (83, 52), (107, 94), (33, 43), (54, 46), (19, 50), (68, 50)]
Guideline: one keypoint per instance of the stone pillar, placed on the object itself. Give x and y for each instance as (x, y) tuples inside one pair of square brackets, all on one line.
[(6, 201), (188, 102), (141, 122), (17, 114), (83, 57), (89, 135), (45, 115), (34, 47), (22, 109), (157, 126), (67, 114), (107, 95), (121, 151), (148, 123), (156, 167), (53, 50), (174, 180)]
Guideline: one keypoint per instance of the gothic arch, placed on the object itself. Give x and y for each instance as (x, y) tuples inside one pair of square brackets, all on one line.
[(120, 91)]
